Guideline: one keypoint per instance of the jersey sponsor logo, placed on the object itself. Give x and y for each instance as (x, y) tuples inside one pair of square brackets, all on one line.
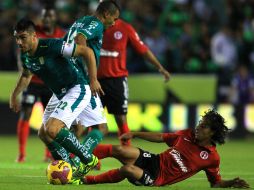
[(107, 53), (118, 35), (203, 155), (177, 157)]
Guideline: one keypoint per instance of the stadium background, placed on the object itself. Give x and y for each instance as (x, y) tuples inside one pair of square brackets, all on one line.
[(180, 33)]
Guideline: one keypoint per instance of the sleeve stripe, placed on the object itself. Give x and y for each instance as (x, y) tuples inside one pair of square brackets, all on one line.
[(74, 48), (68, 49)]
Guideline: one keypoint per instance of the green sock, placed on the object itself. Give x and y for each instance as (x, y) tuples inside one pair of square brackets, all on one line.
[(70, 142), (89, 143), (58, 152), (92, 139)]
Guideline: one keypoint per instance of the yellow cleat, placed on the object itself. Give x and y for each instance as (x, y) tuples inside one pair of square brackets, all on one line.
[(83, 169), (74, 181)]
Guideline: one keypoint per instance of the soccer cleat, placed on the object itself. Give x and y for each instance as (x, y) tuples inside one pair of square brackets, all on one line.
[(73, 168), (75, 181), (83, 169), (20, 159)]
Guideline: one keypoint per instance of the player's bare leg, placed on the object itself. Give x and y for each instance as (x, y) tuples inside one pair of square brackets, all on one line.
[(127, 155)]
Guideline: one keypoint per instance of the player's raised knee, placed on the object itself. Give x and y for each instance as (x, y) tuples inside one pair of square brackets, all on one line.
[(127, 170), (53, 126), (103, 127), (118, 150)]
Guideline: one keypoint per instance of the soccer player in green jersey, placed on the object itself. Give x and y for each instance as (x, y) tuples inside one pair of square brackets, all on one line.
[(50, 60), (88, 31)]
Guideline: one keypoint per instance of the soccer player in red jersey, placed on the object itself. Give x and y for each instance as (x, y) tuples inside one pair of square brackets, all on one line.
[(189, 152), (112, 71), (36, 89)]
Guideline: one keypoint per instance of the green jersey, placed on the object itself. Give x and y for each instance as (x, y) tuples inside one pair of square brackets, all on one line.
[(92, 29), (48, 63)]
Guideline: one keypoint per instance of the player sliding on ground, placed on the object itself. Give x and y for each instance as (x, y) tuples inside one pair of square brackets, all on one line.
[(189, 152)]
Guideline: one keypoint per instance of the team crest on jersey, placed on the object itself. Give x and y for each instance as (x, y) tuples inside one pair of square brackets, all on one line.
[(203, 155), (118, 35)]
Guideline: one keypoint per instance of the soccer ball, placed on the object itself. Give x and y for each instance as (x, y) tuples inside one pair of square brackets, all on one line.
[(59, 172)]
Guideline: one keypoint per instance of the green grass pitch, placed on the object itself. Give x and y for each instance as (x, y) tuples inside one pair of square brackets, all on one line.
[(237, 159)]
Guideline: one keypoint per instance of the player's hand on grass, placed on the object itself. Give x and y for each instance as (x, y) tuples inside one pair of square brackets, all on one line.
[(14, 104), (96, 88), (239, 183), (126, 136)]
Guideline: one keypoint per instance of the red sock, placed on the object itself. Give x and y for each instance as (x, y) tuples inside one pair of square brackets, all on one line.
[(48, 154), (124, 129), (22, 132), (103, 150), (111, 176)]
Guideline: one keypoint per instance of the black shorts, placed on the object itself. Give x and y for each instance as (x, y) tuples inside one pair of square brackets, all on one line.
[(116, 95), (34, 93), (150, 163)]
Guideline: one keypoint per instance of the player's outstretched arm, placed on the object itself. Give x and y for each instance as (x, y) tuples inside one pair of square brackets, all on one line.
[(149, 136), (235, 183), (153, 60), (22, 83)]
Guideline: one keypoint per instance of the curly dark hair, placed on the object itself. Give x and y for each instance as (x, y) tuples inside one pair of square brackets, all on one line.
[(217, 124)]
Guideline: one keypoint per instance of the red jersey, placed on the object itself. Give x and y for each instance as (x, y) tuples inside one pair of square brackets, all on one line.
[(58, 33), (185, 158), (114, 47)]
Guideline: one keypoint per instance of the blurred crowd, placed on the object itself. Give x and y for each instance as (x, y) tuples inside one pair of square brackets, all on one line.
[(187, 36)]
